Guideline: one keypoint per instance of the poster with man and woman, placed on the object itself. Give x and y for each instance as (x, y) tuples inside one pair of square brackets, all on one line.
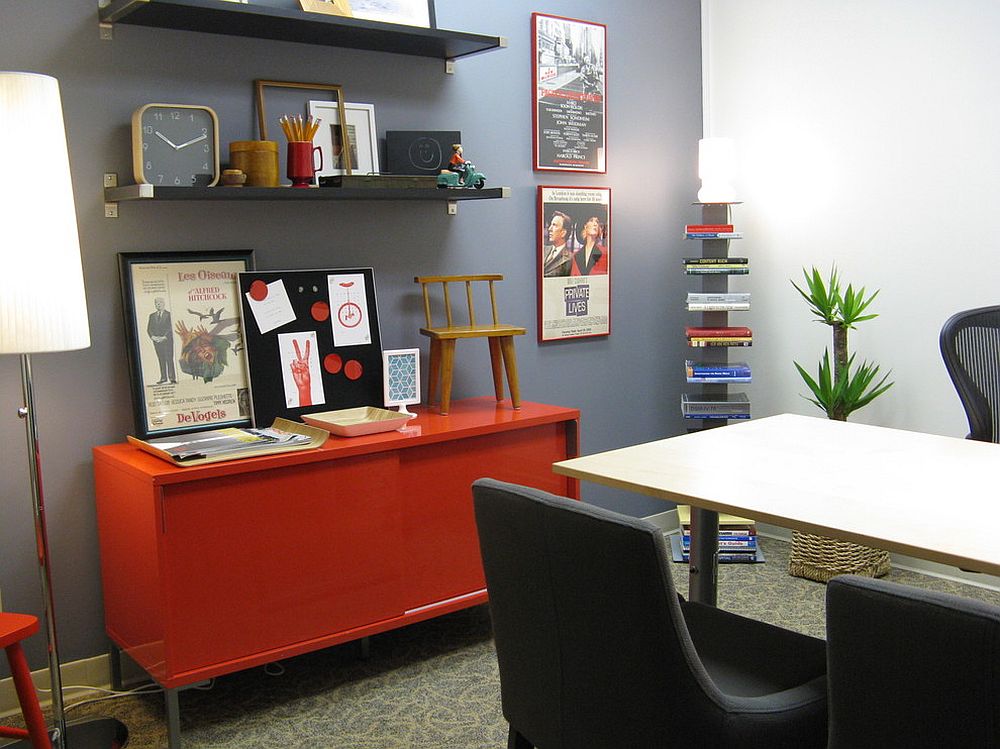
[(574, 262)]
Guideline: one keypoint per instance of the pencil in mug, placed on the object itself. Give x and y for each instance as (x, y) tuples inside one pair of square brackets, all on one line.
[(297, 129)]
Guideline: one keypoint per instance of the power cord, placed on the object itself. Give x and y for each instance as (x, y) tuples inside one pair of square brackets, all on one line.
[(112, 694)]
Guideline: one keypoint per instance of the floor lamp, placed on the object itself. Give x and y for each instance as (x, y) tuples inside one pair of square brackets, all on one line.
[(42, 308)]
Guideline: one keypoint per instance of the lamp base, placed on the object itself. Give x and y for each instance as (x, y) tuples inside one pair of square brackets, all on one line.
[(96, 733)]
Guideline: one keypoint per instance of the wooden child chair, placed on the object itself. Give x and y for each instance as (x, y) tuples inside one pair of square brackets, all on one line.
[(443, 338), (13, 629)]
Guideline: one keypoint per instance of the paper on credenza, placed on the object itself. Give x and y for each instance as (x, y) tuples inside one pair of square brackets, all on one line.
[(214, 445)]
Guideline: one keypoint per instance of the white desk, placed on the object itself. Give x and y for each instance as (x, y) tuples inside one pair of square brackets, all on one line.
[(927, 496)]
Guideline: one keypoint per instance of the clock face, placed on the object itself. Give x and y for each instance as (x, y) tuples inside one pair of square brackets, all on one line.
[(175, 145)]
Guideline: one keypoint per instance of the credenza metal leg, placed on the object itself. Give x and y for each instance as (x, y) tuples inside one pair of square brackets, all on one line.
[(115, 664), (173, 718)]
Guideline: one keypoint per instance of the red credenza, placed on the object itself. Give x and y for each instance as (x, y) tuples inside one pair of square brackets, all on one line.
[(220, 567)]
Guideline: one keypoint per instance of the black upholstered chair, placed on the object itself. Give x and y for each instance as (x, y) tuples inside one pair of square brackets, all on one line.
[(970, 345), (597, 651), (911, 668)]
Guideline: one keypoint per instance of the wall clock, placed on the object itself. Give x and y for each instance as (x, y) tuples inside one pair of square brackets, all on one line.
[(175, 145)]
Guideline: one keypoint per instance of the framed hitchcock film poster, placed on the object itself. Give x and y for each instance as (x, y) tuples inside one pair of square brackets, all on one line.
[(574, 262), (570, 119), (182, 332)]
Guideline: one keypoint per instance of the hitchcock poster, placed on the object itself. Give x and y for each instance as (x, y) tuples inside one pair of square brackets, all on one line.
[(570, 120), (574, 262), (183, 324)]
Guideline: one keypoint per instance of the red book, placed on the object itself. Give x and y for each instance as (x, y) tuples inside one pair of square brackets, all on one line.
[(727, 332), (707, 228)]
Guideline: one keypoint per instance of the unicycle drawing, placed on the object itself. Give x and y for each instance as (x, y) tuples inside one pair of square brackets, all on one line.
[(349, 313)]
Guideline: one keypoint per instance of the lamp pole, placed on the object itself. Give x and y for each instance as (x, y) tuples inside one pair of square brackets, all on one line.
[(27, 412)]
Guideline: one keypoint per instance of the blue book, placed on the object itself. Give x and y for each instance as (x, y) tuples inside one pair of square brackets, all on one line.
[(733, 369)]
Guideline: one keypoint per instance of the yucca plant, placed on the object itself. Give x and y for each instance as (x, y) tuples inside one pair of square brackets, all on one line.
[(841, 388)]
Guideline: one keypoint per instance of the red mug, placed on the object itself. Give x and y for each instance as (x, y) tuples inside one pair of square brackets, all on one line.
[(302, 166)]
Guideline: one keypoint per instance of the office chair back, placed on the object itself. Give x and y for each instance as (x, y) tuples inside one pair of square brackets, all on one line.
[(910, 667), (593, 647), (970, 346)]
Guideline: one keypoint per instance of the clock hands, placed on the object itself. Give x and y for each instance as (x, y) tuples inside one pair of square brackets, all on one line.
[(165, 139), (176, 147), (191, 142)]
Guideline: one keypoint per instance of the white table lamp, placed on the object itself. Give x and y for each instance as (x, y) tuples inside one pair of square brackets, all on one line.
[(716, 166)]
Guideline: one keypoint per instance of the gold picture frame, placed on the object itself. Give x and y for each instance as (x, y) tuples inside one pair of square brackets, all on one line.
[(330, 7), (261, 85)]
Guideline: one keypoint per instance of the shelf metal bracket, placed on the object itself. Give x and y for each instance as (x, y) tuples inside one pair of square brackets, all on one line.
[(110, 208), (452, 207), (449, 67), (105, 31)]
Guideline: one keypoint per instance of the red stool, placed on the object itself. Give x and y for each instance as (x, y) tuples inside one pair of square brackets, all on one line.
[(13, 629)]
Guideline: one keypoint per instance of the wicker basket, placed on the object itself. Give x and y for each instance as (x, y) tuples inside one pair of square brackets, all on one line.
[(821, 558)]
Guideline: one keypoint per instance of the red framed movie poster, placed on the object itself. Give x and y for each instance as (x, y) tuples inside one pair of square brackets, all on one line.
[(574, 262), (569, 71)]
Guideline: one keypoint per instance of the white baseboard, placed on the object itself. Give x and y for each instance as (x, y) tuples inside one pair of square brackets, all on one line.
[(667, 521), (90, 672)]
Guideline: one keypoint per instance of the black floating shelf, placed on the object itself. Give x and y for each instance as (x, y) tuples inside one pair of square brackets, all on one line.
[(150, 192), (292, 25)]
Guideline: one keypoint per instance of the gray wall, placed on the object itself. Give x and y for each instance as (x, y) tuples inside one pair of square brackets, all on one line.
[(627, 385)]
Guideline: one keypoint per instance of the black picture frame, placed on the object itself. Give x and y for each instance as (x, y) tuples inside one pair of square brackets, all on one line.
[(199, 381), (292, 318)]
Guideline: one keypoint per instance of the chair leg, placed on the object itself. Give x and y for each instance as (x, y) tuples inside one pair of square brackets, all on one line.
[(496, 361), (434, 372), (510, 363), (516, 741), (447, 369), (27, 696)]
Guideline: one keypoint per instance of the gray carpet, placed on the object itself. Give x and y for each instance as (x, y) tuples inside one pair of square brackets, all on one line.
[(433, 684)]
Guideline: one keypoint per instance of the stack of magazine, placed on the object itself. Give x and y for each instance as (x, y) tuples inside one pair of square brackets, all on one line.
[(229, 443)]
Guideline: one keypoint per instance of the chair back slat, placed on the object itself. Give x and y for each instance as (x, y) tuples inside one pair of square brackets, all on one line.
[(493, 304), (427, 304), (447, 305), (472, 308)]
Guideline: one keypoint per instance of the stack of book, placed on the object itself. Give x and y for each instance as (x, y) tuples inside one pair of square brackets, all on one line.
[(717, 373), (711, 231), (700, 337), (703, 266), (737, 537), (721, 302), (715, 406)]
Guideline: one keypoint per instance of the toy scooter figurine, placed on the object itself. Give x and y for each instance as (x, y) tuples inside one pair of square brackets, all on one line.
[(460, 172)]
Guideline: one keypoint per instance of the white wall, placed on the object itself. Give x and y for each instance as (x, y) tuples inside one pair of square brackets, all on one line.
[(868, 133)]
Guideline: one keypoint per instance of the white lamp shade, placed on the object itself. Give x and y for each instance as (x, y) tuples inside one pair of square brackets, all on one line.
[(716, 166), (43, 306)]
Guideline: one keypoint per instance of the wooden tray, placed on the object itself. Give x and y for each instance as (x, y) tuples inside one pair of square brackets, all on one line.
[(353, 422)]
